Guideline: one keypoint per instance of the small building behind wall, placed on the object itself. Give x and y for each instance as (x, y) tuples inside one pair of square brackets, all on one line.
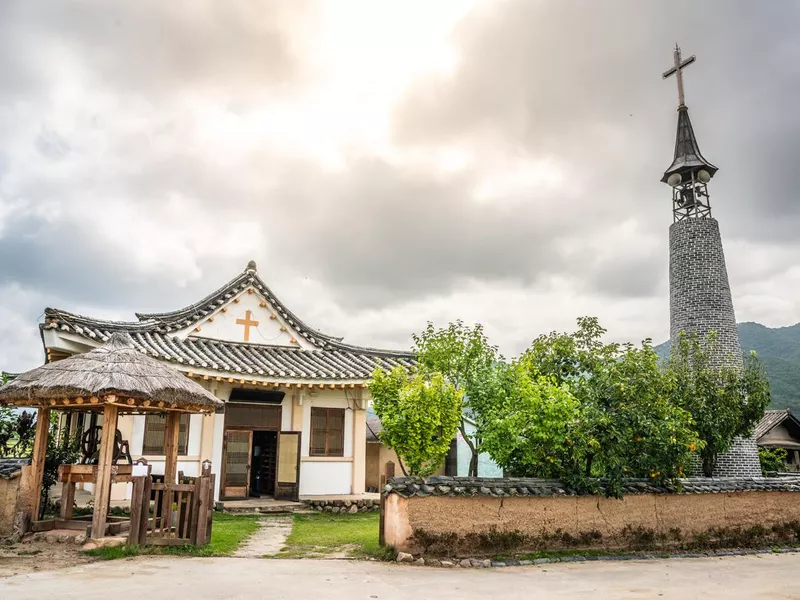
[(781, 429), (294, 419)]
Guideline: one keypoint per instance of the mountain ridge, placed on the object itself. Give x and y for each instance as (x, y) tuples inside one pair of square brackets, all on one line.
[(779, 350)]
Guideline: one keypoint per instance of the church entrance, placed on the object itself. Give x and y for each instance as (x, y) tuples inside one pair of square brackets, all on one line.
[(250, 445), (263, 463)]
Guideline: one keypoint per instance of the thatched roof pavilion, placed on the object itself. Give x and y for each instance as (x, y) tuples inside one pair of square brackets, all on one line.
[(115, 373), (114, 378)]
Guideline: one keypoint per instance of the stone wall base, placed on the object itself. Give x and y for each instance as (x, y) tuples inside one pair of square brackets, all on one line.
[(343, 506)]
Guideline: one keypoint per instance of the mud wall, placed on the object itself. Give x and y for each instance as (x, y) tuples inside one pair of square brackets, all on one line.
[(577, 516)]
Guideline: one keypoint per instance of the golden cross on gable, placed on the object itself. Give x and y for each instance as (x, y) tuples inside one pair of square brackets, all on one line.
[(248, 322), (678, 71)]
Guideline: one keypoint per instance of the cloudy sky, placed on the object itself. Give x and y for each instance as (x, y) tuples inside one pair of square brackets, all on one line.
[(388, 163)]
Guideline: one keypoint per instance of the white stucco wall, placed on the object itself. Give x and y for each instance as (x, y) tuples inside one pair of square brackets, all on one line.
[(324, 478), (286, 413), (216, 460), (326, 475)]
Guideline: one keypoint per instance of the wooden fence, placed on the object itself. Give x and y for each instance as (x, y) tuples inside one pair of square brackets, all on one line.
[(172, 514)]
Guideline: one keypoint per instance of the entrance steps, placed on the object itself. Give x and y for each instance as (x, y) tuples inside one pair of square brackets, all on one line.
[(255, 506)]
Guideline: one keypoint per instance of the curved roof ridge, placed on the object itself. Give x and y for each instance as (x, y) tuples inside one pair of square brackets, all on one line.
[(187, 310), (71, 316), (332, 347), (339, 345), (186, 317)]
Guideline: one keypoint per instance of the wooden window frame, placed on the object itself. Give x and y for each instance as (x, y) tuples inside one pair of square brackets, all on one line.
[(183, 449), (340, 412)]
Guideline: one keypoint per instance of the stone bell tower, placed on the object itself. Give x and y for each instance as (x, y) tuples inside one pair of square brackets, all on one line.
[(700, 295)]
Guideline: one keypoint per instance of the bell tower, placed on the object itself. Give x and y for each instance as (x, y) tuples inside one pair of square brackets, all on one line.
[(700, 294)]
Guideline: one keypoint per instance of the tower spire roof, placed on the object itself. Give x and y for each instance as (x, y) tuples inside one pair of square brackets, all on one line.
[(687, 152)]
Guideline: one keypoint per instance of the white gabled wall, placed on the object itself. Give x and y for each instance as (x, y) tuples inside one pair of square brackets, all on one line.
[(222, 325)]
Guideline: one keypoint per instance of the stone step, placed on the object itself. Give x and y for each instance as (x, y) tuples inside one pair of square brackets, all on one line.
[(253, 507)]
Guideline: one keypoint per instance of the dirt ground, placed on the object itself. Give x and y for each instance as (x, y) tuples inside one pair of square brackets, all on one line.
[(22, 559), (770, 577)]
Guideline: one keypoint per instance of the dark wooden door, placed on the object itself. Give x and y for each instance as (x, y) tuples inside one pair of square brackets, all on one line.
[(236, 463), (287, 481)]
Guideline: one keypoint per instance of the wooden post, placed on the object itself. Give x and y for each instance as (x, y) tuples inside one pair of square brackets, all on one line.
[(145, 521), (382, 502), (37, 462), (138, 510), (204, 490), (210, 503), (171, 433), (67, 500), (102, 489)]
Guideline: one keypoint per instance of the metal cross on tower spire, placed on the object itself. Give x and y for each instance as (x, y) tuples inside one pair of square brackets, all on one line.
[(690, 171), (677, 69)]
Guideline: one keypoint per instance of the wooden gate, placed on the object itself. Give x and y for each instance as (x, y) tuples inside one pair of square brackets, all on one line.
[(172, 514), (237, 450)]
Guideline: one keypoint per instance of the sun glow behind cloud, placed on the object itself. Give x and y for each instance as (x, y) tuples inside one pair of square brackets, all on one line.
[(365, 55)]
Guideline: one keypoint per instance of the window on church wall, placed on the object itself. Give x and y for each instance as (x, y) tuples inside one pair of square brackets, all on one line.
[(327, 432), (154, 428)]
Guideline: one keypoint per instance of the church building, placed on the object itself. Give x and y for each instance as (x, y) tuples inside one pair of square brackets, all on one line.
[(294, 422)]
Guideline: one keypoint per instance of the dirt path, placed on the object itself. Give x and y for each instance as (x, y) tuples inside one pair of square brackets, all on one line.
[(22, 559), (268, 540)]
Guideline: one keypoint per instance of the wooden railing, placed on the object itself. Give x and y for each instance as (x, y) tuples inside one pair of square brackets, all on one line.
[(172, 514)]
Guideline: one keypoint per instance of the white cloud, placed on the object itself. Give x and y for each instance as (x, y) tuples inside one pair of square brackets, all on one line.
[(386, 163)]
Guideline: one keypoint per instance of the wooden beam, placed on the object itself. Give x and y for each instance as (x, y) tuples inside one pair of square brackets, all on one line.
[(102, 490), (38, 458), (171, 433)]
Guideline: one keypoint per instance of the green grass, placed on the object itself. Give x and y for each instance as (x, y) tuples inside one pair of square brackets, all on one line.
[(227, 532), (324, 535)]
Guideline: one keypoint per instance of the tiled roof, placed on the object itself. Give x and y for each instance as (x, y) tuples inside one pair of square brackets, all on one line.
[(153, 334), (771, 419), (374, 428), (10, 467)]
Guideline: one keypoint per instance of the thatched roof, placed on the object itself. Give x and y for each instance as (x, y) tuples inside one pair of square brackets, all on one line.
[(115, 372)]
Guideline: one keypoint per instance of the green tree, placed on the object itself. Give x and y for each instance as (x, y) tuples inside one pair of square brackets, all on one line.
[(465, 358), (725, 402), (17, 431), (627, 424), (530, 422), (420, 413), (773, 460)]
